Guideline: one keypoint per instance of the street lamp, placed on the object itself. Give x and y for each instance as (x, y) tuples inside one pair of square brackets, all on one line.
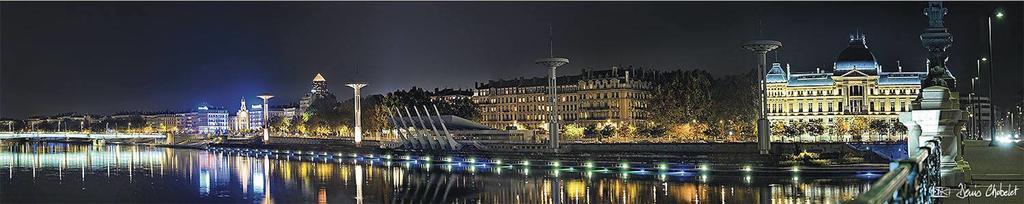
[(998, 13), (266, 116)]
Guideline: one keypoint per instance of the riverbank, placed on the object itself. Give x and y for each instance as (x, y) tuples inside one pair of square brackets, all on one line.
[(824, 158)]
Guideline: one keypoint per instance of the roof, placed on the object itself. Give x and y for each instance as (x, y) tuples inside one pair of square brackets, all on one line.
[(586, 74), (856, 56), (901, 78), (776, 74), (319, 77), (524, 82), (810, 79)]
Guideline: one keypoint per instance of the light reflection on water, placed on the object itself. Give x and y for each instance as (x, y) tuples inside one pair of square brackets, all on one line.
[(82, 173)]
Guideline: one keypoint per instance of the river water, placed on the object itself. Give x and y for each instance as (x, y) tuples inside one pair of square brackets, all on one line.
[(58, 172)]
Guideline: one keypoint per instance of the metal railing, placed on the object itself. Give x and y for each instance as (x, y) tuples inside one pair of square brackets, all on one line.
[(909, 181)]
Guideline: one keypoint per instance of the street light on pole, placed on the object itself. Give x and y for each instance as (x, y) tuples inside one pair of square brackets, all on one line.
[(266, 116), (998, 13)]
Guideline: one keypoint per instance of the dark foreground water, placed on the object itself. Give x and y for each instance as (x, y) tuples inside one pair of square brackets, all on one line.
[(55, 172)]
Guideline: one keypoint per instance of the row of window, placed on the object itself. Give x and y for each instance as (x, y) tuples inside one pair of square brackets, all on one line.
[(874, 105), (593, 115), (564, 97), (853, 91)]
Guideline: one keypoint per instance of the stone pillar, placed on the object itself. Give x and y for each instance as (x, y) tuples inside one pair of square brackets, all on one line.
[(938, 113), (913, 133)]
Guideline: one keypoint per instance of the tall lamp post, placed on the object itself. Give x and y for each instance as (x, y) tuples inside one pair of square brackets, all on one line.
[(998, 13), (552, 63), (761, 48), (358, 130), (266, 116)]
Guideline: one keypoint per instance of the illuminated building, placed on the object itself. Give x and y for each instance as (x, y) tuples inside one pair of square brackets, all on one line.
[(594, 97), (979, 115), (279, 111), (205, 120), (163, 122), (241, 122), (319, 91), (856, 88)]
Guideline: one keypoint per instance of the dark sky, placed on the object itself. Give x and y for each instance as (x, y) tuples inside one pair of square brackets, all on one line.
[(115, 56)]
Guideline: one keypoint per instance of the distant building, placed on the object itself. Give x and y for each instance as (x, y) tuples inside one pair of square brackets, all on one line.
[(979, 115), (278, 111), (603, 97), (255, 117), (163, 121), (857, 87), (318, 91), (205, 120), (241, 120)]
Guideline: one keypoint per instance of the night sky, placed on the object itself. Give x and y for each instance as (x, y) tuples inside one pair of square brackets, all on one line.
[(108, 57)]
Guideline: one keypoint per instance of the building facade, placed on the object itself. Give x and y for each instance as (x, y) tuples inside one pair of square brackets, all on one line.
[(979, 115), (857, 87), (280, 111), (602, 97), (165, 122), (204, 120), (318, 91), (241, 121)]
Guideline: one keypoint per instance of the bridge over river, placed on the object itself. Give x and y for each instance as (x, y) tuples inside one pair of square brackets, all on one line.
[(78, 135)]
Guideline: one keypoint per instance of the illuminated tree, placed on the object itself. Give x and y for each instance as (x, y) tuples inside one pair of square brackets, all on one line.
[(793, 130), (572, 132), (841, 127), (815, 127), (858, 126)]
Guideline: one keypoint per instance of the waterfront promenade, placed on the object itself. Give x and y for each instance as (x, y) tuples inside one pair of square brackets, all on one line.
[(991, 165)]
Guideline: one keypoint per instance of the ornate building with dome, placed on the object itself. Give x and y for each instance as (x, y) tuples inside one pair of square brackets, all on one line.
[(857, 88)]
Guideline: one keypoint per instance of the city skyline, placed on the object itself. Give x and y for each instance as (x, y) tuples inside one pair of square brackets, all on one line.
[(190, 62)]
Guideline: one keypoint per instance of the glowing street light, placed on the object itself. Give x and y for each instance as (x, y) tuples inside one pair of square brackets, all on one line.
[(998, 13), (266, 116)]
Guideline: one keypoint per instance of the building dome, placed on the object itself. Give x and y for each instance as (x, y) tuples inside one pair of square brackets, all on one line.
[(856, 57)]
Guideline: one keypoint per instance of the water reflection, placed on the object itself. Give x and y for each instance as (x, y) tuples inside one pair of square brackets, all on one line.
[(41, 172)]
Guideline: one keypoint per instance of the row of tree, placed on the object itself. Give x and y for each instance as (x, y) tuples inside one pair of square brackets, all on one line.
[(328, 117)]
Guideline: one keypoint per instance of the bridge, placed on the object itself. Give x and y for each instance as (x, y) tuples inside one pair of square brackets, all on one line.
[(78, 135)]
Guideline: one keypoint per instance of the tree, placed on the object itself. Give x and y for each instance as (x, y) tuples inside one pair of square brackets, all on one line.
[(462, 106), (793, 130), (573, 132), (687, 132), (778, 128), (682, 96), (736, 102), (858, 126), (815, 127), (841, 127), (590, 130), (325, 115), (879, 127), (897, 128)]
